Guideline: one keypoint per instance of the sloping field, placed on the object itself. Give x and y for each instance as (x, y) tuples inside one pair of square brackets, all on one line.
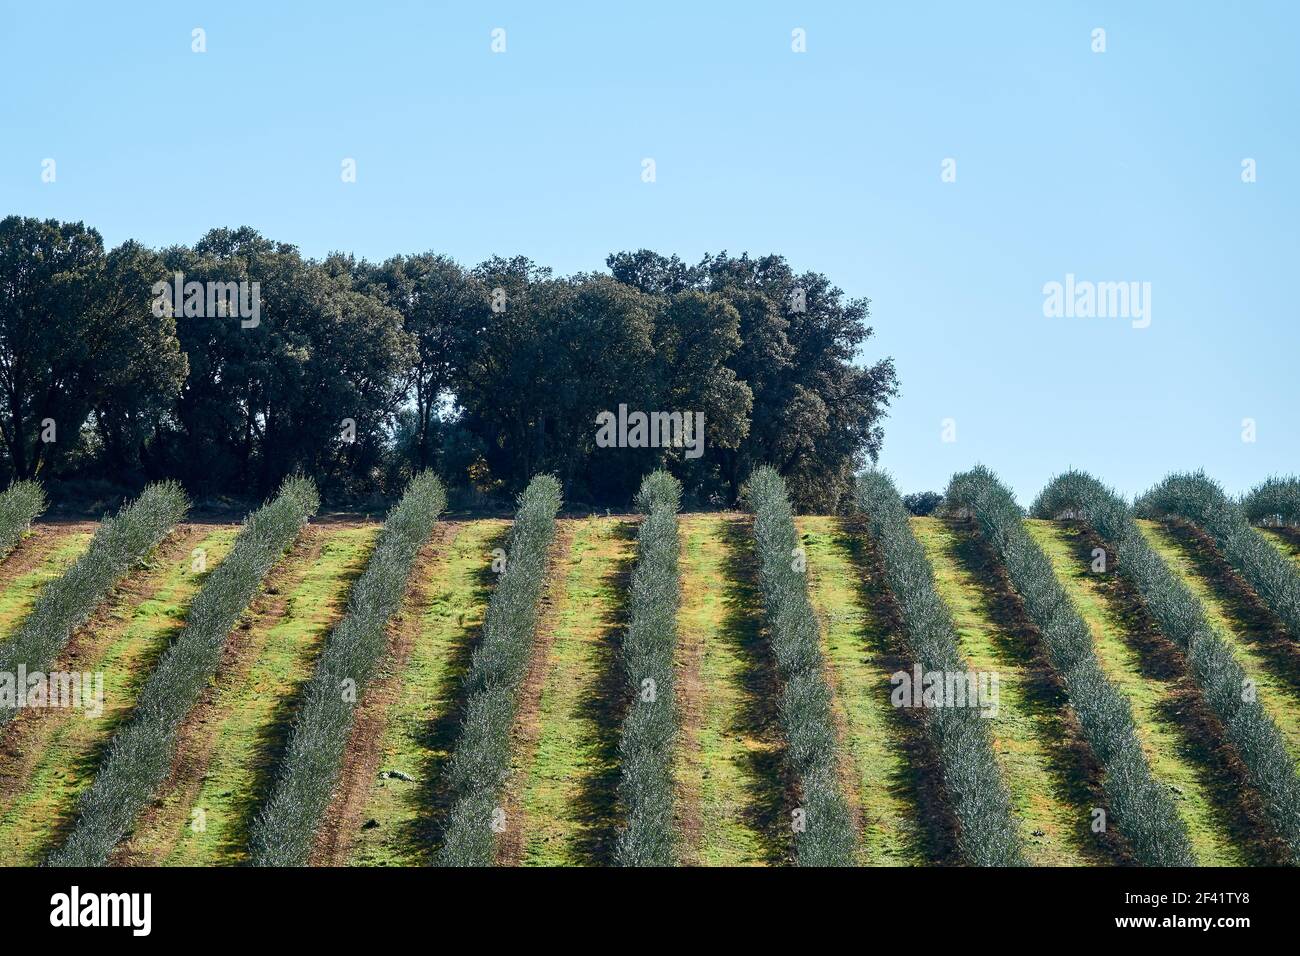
[(231, 740), (49, 756), (735, 800), (1152, 676), (1036, 743)]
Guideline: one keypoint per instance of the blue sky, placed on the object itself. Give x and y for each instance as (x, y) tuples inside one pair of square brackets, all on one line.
[(1115, 166)]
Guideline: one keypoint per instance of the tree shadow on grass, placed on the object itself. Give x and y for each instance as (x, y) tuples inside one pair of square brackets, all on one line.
[(422, 834), (918, 782), (602, 712), (122, 606), (273, 737), (1254, 622), (1201, 739), (771, 789), (1290, 536), (1075, 774)]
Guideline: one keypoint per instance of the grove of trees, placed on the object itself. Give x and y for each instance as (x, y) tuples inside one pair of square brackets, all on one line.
[(361, 374)]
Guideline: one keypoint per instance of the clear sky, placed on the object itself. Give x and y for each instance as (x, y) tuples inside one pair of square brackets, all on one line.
[(1117, 166)]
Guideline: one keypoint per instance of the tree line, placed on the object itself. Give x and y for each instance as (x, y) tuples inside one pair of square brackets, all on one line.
[(122, 366)]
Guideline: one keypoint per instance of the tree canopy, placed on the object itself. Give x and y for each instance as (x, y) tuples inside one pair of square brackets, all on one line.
[(362, 373)]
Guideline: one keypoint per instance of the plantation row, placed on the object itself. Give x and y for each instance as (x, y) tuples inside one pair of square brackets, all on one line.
[(813, 801)]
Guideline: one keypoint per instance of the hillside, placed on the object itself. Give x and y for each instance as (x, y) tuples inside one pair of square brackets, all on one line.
[(733, 790)]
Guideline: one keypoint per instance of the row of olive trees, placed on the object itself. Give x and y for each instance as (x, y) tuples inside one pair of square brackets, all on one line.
[(20, 505), (67, 602), (284, 829), (646, 748), (139, 759), (480, 759), (1181, 617), (1143, 809), (987, 833), (823, 827)]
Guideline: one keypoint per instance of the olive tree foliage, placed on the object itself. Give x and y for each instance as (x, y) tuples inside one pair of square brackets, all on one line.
[(1196, 499), (1180, 616), (480, 760), (649, 738), (120, 542), (1274, 501), (313, 757), (987, 833), (20, 504), (1141, 807), (823, 826), (140, 756)]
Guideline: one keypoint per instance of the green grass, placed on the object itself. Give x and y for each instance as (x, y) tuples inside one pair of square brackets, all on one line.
[(1035, 744), (570, 783), (1286, 540), (728, 763), (20, 594), (67, 745), (252, 710), (421, 722), (1154, 681), (1269, 656), (858, 652)]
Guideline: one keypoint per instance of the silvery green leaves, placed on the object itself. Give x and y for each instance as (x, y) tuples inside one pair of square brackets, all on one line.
[(68, 601), (481, 758), (1181, 618), (1143, 809), (1275, 500), (1200, 501), (285, 827), (825, 835), (647, 745), (986, 830), (19, 506), (140, 756)]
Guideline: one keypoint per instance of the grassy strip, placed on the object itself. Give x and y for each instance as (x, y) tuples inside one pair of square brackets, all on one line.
[(1051, 778), (987, 833), (230, 744), (649, 740), (421, 720), (823, 833), (1197, 499), (1268, 656), (48, 757), (878, 740), (726, 760), (1277, 500), (68, 602), (563, 804), (1144, 810), (19, 506), (1286, 540), (140, 757), (481, 759), (49, 553), (283, 832), (1181, 617)]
